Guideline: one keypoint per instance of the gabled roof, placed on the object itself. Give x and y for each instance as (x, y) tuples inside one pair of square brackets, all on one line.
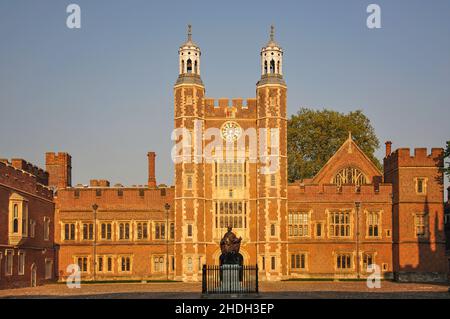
[(349, 154)]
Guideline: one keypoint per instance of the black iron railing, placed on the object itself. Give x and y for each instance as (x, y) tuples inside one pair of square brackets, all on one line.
[(229, 279)]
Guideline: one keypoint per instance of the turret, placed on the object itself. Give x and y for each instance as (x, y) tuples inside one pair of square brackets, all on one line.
[(189, 61), (271, 62)]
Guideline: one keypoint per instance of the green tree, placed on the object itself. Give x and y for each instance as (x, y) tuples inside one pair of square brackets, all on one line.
[(314, 136), (447, 164)]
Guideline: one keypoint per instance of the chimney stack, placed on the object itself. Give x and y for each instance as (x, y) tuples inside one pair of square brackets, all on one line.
[(59, 168), (388, 148), (151, 170)]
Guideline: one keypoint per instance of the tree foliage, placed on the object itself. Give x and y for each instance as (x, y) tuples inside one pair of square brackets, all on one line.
[(447, 163), (314, 136)]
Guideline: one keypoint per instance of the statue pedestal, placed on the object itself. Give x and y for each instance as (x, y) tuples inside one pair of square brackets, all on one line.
[(230, 279)]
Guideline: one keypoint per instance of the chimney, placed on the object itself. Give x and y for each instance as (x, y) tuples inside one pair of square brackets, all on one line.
[(93, 183), (151, 170), (59, 168), (388, 148), (103, 183)]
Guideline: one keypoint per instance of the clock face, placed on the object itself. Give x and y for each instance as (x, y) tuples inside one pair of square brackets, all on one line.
[(231, 131)]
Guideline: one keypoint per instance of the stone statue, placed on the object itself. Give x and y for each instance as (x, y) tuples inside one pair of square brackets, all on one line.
[(230, 245)]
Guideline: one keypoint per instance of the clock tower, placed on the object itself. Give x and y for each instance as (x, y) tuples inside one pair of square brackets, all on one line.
[(233, 170)]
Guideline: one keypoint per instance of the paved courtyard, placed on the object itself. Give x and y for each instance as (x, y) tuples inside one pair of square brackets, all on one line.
[(282, 290)]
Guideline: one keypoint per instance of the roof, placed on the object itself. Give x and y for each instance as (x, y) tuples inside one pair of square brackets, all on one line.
[(349, 154)]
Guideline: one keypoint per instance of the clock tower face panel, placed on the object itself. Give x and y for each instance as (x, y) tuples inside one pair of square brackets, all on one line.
[(230, 131)]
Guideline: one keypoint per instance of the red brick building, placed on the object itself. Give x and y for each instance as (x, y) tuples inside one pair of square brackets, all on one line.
[(127, 231), (447, 226), (349, 216), (27, 251)]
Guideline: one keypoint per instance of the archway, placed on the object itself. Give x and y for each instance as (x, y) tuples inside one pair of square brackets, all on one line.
[(243, 252)]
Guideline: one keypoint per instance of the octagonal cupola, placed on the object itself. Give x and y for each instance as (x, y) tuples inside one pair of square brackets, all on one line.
[(189, 61), (272, 61)]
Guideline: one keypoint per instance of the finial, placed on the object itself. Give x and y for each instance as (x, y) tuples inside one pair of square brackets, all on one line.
[(350, 144), (272, 33), (189, 32)]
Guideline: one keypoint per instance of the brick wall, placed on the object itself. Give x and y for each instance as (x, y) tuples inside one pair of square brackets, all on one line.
[(37, 250)]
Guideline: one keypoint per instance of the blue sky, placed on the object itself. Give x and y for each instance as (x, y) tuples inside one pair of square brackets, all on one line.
[(104, 93)]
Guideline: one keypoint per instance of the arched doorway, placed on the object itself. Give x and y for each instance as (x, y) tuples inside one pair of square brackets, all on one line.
[(33, 275), (243, 252)]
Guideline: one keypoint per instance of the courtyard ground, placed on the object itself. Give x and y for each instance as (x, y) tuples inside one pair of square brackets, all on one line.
[(271, 290)]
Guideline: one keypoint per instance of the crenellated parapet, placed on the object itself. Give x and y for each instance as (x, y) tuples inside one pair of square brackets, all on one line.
[(402, 157), (23, 180), (120, 198), (19, 163), (330, 192), (230, 108)]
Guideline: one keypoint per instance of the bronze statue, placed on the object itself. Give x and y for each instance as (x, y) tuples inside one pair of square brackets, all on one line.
[(230, 245)]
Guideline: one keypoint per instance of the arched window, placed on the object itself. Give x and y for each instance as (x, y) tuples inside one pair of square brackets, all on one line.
[(189, 66), (195, 67), (265, 67), (182, 67), (278, 66), (349, 175), (16, 218), (272, 66)]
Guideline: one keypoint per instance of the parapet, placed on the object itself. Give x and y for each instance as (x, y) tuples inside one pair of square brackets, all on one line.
[(116, 198), (23, 180), (56, 156), (21, 164), (99, 183), (402, 158), (224, 107), (327, 192)]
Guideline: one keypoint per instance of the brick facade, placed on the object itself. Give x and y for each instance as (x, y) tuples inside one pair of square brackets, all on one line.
[(116, 206), (27, 251), (349, 216)]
